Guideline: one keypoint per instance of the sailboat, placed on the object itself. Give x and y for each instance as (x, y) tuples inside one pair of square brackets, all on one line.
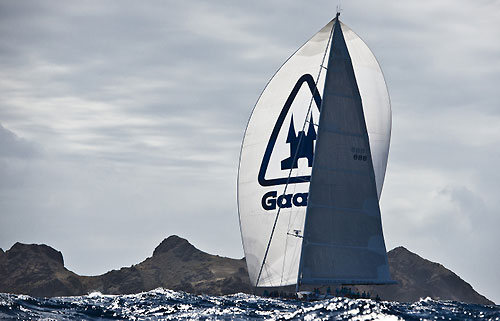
[(312, 166)]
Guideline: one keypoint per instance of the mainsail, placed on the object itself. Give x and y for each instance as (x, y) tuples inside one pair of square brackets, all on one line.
[(343, 241), (308, 193)]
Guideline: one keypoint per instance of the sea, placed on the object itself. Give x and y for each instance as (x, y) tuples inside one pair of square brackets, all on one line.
[(162, 304)]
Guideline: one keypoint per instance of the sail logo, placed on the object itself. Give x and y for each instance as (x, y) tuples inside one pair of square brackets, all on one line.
[(301, 145)]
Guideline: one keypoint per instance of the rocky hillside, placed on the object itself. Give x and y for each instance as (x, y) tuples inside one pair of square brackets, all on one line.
[(38, 270), (176, 265), (420, 278)]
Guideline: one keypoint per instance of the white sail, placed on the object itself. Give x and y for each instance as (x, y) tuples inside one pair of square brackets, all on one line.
[(271, 156)]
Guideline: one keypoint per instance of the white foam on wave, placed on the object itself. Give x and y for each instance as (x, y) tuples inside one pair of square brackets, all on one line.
[(94, 294)]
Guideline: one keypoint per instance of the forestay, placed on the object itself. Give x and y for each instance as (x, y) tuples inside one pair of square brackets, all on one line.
[(278, 150)]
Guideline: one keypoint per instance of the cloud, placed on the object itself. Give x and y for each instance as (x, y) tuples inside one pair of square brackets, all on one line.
[(12, 146)]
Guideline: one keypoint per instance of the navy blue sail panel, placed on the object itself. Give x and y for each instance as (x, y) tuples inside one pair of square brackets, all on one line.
[(343, 241)]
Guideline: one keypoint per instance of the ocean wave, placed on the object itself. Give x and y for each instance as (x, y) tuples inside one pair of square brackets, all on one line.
[(164, 304)]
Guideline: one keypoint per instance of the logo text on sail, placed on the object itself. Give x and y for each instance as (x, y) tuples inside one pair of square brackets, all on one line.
[(271, 200)]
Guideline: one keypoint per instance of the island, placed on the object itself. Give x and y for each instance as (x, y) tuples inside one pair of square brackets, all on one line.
[(38, 270)]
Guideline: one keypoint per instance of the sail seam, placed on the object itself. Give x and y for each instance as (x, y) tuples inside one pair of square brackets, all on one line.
[(334, 94), (309, 243), (349, 171), (337, 208), (338, 132)]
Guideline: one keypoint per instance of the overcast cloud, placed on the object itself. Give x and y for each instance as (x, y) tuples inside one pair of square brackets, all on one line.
[(121, 123)]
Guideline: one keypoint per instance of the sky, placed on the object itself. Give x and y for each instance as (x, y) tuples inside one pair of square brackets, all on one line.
[(121, 123)]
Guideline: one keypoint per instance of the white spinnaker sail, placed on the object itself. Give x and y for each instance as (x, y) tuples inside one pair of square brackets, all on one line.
[(278, 120)]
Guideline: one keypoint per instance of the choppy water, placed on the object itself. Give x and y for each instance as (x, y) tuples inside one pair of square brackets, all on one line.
[(163, 304)]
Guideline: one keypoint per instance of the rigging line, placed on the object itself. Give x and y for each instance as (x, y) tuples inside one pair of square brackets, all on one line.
[(286, 245), (286, 238), (295, 157), (267, 271), (294, 251), (293, 255), (290, 223)]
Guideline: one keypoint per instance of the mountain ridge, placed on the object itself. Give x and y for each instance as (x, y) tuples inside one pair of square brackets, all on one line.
[(38, 270)]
